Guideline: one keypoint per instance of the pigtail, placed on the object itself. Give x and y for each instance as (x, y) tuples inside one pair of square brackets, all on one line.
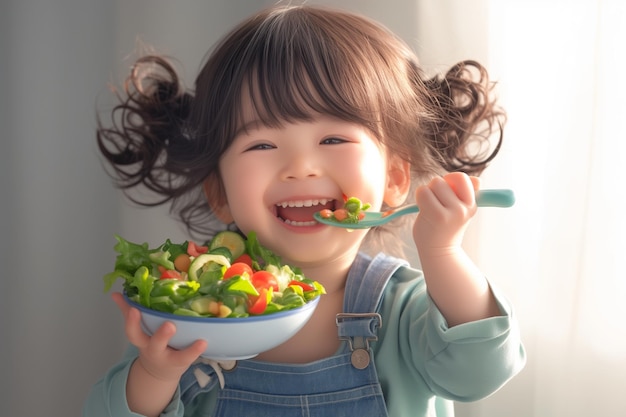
[(147, 131), (465, 119)]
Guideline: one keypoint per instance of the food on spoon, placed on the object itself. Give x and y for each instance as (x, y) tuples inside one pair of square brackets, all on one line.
[(352, 212), (231, 276)]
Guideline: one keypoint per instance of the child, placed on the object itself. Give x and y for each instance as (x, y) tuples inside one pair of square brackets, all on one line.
[(296, 107)]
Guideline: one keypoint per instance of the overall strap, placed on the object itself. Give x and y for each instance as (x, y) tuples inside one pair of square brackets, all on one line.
[(367, 280), (359, 322)]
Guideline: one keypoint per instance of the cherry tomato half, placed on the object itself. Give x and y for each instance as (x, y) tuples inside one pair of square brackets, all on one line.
[(170, 273), (195, 250), (245, 258), (238, 269), (259, 304), (264, 280)]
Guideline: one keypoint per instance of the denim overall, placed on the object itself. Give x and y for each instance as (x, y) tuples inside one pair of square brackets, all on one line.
[(345, 384)]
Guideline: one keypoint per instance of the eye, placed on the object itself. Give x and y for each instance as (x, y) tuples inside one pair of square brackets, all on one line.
[(259, 147), (333, 141)]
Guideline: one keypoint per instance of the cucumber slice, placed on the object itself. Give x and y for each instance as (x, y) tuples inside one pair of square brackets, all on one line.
[(233, 241), (223, 251), (200, 261)]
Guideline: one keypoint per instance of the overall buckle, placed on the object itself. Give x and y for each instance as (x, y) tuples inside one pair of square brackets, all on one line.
[(358, 329)]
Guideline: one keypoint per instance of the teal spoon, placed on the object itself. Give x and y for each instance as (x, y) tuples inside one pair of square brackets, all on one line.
[(484, 198)]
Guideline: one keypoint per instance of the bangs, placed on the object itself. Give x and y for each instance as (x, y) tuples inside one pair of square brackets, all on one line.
[(295, 63), (295, 66)]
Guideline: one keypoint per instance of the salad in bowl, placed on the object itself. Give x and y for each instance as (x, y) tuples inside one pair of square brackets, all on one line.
[(232, 292)]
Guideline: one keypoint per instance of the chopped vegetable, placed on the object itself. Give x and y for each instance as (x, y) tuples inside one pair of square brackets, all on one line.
[(233, 241), (259, 305), (303, 285), (188, 280), (264, 279), (182, 262), (171, 273), (245, 258), (203, 262), (352, 212), (195, 250), (238, 269)]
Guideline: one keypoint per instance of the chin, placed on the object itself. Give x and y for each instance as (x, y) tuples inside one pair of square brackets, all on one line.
[(315, 244), (309, 251)]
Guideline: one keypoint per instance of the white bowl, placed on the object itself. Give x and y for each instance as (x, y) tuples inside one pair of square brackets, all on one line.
[(230, 338)]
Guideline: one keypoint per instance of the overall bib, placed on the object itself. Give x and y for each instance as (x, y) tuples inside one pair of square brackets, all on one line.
[(345, 384)]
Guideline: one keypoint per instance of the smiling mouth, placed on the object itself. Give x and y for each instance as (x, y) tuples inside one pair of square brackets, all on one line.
[(300, 212)]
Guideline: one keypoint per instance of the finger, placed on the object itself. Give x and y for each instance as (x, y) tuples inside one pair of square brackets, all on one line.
[(475, 183), (132, 321), (191, 353), (462, 185), (118, 298), (444, 192), (162, 336), (425, 197), (134, 331)]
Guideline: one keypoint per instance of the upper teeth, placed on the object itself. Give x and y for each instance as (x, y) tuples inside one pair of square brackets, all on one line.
[(303, 203)]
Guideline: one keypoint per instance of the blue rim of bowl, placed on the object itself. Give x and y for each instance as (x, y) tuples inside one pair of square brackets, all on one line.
[(217, 320)]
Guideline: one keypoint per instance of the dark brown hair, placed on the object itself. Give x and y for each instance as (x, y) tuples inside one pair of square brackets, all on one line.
[(296, 61)]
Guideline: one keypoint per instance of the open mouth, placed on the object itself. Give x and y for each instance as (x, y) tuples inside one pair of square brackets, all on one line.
[(300, 212)]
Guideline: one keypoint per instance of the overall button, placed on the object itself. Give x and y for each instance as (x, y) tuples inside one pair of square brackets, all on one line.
[(360, 358)]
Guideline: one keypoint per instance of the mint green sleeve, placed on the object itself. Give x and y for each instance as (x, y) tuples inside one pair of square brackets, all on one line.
[(422, 363), (107, 397)]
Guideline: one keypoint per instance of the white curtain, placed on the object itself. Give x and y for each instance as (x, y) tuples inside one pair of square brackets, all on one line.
[(559, 251)]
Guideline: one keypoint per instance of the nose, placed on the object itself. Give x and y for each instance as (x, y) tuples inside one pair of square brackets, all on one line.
[(300, 165)]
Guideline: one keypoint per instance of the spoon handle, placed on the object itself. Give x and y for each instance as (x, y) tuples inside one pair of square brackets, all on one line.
[(495, 198), (484, 198)]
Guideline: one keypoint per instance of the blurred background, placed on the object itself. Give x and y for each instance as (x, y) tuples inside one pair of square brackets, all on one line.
[(557, 254)]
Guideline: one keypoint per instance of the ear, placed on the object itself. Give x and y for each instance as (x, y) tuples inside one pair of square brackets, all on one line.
[(398, 182), (216, 197)]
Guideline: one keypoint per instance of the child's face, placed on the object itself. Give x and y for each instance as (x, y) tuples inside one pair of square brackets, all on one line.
[(302, 164)]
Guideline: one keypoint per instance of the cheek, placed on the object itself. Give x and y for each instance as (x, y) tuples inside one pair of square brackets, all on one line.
[(375, 168), (240, 188), (244, 187), (370, 175)]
